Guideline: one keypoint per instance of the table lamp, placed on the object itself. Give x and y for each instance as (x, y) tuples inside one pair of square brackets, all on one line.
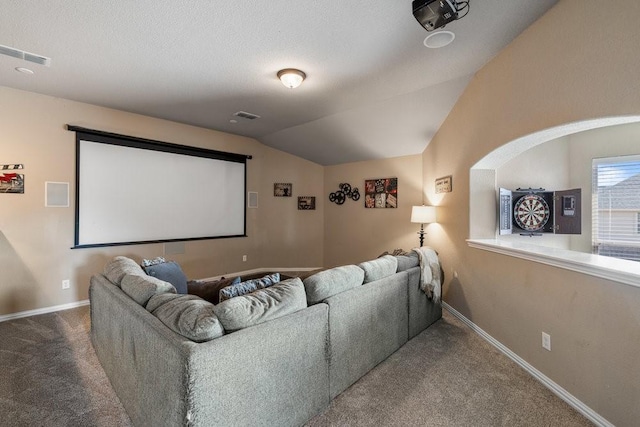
[(423, 215)]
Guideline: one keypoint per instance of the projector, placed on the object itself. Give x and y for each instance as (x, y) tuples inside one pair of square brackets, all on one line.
[(433, 14)]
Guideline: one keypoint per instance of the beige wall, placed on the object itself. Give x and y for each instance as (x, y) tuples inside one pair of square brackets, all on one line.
[(35, 241), (354, 233), (568, 66)]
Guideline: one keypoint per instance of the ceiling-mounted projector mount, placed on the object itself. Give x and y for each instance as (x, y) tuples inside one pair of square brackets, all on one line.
[(434, 14)]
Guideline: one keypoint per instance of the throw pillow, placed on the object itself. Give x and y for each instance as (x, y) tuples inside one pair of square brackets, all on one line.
[(262, 305), (210, 290), (116, 269), (187, 315), (248, 286), (379, 268), (169, 272), (142, 288), (322, 285), (150, 262)]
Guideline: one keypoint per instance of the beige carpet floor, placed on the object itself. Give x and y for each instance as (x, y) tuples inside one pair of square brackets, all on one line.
[(447, 376)]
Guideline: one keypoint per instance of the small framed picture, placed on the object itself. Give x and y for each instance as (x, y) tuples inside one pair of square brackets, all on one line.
[(282, 189), (444, 184), (11, 181), (307, 203)]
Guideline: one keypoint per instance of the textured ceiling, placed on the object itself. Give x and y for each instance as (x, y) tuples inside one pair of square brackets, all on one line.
[(372, 89)]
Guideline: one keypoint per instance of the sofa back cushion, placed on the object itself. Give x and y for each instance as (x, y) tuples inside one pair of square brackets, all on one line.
[(142, 288), (248, 286), (171, 272), (262, 305), (379, 268), (187, 315), (324, 284), (408, 261), (116, 269)]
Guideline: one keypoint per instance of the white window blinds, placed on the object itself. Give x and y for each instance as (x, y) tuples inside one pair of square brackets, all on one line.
[(616, 207)]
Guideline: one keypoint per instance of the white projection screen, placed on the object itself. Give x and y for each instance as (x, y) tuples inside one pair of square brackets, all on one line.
[(132, 191)]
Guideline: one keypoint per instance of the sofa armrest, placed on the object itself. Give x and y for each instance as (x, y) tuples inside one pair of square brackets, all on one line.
[(142, 358)]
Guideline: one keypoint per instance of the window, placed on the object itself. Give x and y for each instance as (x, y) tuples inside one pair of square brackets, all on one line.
[(616, 207)]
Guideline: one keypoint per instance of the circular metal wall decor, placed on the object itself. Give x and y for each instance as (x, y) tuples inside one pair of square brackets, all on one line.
[(345, 192)]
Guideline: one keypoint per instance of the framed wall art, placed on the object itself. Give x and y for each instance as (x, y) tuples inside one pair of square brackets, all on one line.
[(381, 193), (444, 184), (307, 203), (282, 189), (11, 181)]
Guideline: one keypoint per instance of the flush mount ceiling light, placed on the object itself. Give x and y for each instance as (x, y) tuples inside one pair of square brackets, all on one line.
[(291, 78), (439, 39)]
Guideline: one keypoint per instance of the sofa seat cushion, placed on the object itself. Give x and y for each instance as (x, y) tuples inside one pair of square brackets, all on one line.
[(408, 261), (169, 272), (209, 290), (379, 268), (324, 284), (116, 269), (187, 315), (142, 288), (262, 305), (248, 286)]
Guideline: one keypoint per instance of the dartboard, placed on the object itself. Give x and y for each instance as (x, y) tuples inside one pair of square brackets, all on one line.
[(531, 212)]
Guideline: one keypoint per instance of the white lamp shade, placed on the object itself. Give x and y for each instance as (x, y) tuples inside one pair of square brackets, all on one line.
[(291, 77), (423, 214)]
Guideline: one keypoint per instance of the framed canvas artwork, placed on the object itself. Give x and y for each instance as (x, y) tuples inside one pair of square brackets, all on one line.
[(381, 193)]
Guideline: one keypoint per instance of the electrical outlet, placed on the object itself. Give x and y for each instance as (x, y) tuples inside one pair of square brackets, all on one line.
[(66, 284), (546, 341), (244, 257)]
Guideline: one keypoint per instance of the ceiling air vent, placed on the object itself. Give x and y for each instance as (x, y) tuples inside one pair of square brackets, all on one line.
[(21, 54), (246, 115)]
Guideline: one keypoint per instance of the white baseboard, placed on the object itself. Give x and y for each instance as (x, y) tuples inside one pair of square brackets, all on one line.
[(5, 317), (563, 394)]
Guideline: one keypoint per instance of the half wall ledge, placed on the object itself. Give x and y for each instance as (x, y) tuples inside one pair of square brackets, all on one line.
[(617, 270)]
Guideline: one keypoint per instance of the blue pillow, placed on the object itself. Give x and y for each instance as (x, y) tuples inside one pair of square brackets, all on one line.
[(169, 272), (248, 286)]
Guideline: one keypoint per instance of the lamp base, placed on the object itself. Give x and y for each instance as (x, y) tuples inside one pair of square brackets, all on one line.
[(421, 233)]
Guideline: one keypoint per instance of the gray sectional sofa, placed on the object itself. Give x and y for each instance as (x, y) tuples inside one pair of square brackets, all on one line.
[(173, 361)]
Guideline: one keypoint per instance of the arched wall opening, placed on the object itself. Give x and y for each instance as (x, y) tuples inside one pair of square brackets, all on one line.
[(562, 251)]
